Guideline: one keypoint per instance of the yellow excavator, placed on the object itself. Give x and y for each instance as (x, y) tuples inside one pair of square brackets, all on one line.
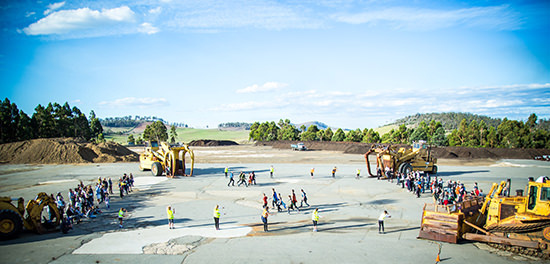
[(418, 157), (165, 158), (520, 224), (42, 216)]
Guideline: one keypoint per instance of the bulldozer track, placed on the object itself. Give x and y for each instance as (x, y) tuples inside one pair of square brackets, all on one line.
[(531, 252), (519, 228)]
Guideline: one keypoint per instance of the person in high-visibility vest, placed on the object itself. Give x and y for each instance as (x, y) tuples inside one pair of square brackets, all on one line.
[(315, 218), (333, 171), (265, 214), (216, 215), (271, 170), (120, 216), (170, 212), (358, 173), (311, 172), (226, 171)]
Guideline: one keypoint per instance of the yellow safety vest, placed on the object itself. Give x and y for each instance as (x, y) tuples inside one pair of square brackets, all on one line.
[(315, 216), (216, 213), (271, 169), (226, 170), (120, 213), (264, 214), (170, 214)]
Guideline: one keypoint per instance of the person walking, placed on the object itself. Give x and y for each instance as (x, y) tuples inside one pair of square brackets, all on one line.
[(294, 201), (217, 217), (333, 171), (275, 200), (383, 216), (121, 216), (311, 172), (170, 212), (271, 170), (358, 173), (265, 214), (231, 180), (304, 198), (226, 170), (315, 218)]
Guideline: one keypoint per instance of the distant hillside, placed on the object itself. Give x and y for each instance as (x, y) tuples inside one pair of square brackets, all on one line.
[(449, 121), (320, 125)]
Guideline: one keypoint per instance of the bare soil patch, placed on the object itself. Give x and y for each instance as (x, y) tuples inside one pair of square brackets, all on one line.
[(64, 151), (439, 152)]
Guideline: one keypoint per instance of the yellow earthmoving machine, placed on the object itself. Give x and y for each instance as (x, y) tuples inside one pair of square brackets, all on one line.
[(520, 224), (164, 158), (42, 216), (418, 157)]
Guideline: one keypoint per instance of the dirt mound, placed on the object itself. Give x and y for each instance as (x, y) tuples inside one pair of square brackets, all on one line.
[(63, 151), (212, 143), (439, 152)]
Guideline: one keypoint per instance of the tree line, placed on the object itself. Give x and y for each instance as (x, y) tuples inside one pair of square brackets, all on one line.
[(52, 121), (133, 121), (241, 125), (508, 134)]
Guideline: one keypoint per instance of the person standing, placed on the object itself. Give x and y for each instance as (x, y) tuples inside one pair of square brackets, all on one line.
[(304, 198), (265, 214), (383, 216), (231, 180), (358, 173), (217, 217), (170, 211), (333, 171), (311, 172), (265, 201), (121, 216), (315, 218), (226, 170), (110, 182), (271, 170)]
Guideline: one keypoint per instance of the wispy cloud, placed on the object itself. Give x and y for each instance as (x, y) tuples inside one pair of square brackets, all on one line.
[(266, 87), (490, 17), (147, 28), (54, 6), (66, 21), (136, 102)]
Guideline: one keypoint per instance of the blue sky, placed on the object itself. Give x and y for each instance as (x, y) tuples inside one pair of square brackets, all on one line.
[(351, 64)]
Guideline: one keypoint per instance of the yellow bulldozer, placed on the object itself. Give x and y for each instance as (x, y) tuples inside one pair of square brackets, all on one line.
[(520, 224), (417, 157), (42, 215), (165, 158)]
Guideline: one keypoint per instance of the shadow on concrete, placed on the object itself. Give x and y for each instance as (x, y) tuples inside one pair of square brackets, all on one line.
[(402, 229), (456, 173), (381, 201)]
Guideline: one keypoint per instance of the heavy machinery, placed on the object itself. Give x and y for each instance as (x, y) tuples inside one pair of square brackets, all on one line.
[(520, 224), (166, 159), (42, 216), (403, 159)]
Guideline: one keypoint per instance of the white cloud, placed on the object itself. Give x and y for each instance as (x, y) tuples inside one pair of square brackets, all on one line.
[(147, 102), (29, 14), (491, 17), (266, 87), (155, 10), (53, 7), (147, 28), (66, 21)]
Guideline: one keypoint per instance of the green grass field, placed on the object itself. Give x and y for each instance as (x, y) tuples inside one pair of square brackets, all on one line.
[(186, 135)]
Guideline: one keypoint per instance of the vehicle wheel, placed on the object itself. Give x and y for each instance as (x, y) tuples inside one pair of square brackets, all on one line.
[(434, 170), (156, 169), (407, 168), (10, 224), (400, 168)]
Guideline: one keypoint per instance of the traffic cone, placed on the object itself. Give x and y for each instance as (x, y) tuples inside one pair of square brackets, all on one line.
[(437, 260)]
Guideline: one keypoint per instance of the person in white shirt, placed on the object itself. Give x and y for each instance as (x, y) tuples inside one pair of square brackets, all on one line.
[(381, 221)]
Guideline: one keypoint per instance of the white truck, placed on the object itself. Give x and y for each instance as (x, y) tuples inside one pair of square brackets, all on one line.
[(299, 146)]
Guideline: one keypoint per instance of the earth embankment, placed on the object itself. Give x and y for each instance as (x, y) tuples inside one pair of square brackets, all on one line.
[(64, 151), (439, 152)]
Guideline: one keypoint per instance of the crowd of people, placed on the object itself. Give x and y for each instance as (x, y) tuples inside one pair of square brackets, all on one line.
[(443, 192), (80, 202), (243, 179)]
